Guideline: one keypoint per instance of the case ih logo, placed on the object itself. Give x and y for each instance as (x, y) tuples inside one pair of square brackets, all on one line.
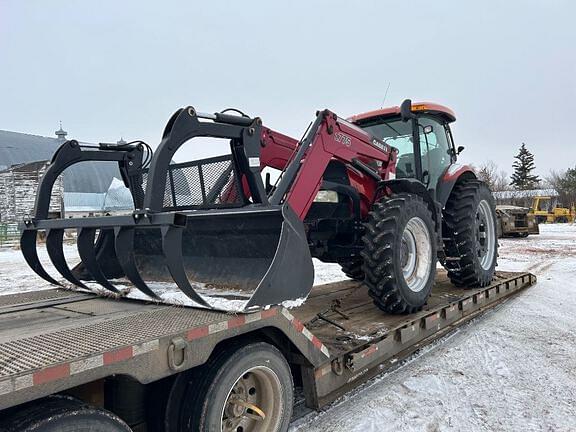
[(382, 145), (344, 139)]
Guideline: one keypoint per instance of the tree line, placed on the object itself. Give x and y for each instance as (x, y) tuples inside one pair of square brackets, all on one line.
[(523, 177)]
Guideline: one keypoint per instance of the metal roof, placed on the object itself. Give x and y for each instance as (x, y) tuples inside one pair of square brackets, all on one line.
[(87, 177), (524, 193)]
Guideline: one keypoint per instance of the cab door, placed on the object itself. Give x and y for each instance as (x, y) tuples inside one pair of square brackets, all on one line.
[(436, 150)]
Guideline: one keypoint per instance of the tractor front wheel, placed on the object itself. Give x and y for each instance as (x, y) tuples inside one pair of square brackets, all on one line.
[(399, 253)]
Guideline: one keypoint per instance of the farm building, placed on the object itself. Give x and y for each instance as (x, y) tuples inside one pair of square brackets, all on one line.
[(16, 182), (23, 160), (521, 198)]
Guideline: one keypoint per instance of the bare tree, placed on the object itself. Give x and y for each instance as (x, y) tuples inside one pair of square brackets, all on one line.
[(496, 179), (554, 179), (563, 182)]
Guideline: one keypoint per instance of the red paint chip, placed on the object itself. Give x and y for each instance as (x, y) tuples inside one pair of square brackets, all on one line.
[(197, 333), (118, 355), (51, 374), (268, 313), (297, 325), (316, 342), (236, 321)]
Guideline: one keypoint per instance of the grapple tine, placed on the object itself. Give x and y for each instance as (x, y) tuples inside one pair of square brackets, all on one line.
[(54, 243), (28, 247), (87, 253), (124, 245), (172, 250)]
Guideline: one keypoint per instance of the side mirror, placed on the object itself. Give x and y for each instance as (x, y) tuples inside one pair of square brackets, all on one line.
[(459, 150), (406, 111)]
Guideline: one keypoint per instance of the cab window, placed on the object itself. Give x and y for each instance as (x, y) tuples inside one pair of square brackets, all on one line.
[(435, 150), (434, 146)]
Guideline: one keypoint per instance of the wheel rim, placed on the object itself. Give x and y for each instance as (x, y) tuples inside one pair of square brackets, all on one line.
[(485, 240), (254, 403), (416, 254)]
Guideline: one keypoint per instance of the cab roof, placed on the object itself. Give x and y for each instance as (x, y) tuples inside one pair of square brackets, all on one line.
[(418, 107)]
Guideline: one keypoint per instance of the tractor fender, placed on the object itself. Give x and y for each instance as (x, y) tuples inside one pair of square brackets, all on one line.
[(452, 175)]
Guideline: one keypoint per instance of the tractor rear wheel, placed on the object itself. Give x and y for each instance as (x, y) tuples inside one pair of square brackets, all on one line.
[(469, 231), (399, 253), (353, 269)]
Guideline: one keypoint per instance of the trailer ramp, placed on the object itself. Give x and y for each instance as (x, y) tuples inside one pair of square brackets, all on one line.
[(363, 342)]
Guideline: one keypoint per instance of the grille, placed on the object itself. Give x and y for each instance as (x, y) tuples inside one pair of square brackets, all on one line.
[(202, 184), (521, 221)]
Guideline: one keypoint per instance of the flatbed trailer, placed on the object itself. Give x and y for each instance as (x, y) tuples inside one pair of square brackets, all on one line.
[(125, 356)]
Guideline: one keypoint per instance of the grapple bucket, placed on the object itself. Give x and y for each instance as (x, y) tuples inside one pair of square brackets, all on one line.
[(203, 233)]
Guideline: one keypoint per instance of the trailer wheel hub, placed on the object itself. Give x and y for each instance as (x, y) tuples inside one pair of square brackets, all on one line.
[(254, 402)]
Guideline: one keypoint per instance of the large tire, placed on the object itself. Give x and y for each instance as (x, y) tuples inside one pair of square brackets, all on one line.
[(353, 269), (399, 253), (469, 231), (541, 219), (215, 396), (62, 414)]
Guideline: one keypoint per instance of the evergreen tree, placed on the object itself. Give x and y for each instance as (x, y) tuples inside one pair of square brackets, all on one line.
[(523, 166), (566, 187)]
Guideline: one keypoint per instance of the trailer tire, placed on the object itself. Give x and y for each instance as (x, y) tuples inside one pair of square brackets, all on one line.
[(353, 269), (60, 413), (217, 395), (399, 253), (469, 231)]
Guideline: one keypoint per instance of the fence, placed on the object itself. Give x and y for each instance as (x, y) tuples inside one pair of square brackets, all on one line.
[(9, 234)]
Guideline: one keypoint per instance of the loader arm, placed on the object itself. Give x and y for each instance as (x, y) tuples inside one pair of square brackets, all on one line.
[(330, 137)]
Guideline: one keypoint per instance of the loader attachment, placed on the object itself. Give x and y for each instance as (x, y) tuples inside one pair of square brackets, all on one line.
[(203, 233)]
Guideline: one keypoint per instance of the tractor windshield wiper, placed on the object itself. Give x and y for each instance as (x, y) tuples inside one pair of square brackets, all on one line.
[(397, 133)]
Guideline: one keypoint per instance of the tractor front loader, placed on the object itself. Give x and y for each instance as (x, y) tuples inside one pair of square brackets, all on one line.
[(379, 194)]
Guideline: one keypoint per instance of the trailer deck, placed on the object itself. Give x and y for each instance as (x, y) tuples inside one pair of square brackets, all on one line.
[(54, 340)]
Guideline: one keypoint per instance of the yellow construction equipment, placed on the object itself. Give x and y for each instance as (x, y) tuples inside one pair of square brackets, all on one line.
[(547, 209)]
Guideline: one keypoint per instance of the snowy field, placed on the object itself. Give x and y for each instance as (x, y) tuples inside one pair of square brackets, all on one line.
[(513, 369)]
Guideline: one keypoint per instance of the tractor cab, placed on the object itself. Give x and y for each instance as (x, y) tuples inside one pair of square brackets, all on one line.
[(421, 133)]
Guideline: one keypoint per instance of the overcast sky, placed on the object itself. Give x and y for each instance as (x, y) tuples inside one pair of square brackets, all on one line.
[(120, 68)]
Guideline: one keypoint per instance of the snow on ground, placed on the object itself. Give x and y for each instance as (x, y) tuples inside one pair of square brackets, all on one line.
[(513, 369), (16, 276)]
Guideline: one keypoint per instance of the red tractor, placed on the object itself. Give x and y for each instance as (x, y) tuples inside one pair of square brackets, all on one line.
[(381, 194), (433, 208)]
